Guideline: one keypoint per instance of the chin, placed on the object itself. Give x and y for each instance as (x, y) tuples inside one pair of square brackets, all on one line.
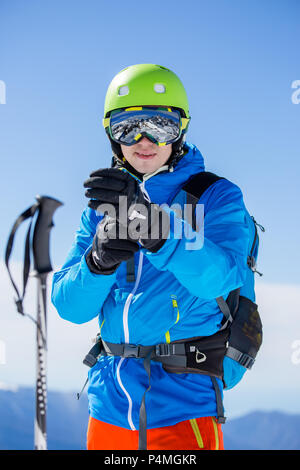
[(146, 168), (141, 165)]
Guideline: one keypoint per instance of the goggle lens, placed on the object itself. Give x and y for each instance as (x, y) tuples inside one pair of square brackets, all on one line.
[(160, 125)]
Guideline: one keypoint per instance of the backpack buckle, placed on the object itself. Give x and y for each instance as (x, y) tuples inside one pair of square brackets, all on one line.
[(131, 350), (163, 349), (246, 361)]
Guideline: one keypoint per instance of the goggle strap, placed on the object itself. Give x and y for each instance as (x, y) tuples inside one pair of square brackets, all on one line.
[(106, 122), (184, 123)]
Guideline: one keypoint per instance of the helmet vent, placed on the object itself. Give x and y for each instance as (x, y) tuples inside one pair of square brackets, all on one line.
[(159, 88), (123, 90)]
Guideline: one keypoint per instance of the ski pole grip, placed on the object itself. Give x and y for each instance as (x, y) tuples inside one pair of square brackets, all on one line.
[(41, 234)]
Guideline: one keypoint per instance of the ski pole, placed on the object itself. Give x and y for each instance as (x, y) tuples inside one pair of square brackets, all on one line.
[(45, 208)]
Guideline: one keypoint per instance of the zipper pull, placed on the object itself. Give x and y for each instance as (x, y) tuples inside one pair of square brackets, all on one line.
[(257, 272), (144, 191), (262, 228), (252, 265)]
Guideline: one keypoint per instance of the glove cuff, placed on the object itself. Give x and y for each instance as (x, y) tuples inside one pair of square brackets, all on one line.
[(152, 245), (95, 268)]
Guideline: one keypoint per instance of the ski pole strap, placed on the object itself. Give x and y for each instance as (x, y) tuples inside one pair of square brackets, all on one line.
[(45, 206), (28, 213)]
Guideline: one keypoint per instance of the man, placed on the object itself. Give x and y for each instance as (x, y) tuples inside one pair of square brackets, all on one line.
[(133, 265)]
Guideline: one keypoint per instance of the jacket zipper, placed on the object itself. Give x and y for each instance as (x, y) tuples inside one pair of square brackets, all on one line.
[(126, 339), (129, 299), (126, 326)]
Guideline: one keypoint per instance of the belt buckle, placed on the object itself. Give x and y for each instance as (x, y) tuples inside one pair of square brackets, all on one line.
[(131, 350)]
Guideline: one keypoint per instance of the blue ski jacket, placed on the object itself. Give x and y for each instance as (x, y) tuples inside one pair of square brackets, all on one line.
[(172, 298)]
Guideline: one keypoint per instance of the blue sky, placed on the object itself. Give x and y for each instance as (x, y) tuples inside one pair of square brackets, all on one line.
[(237, 60)]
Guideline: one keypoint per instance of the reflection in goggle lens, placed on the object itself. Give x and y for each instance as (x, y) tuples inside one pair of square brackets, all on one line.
[(163, 126)]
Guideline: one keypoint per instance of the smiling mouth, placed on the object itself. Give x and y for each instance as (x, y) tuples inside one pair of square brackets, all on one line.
[(145, 156)]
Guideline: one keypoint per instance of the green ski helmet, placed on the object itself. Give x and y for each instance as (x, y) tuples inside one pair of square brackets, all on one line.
[(146, 85)]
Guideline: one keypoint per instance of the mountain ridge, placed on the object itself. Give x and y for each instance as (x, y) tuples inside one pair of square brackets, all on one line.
[(67, 420)]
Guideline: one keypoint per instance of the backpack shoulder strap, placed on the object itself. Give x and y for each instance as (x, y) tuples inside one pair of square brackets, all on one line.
[(200, 182), (195, 187)]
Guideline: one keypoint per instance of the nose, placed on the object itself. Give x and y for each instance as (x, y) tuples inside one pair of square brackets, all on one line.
[(145, 142)]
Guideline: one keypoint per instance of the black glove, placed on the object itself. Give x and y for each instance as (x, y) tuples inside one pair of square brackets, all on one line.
[(144, 220), (108, 251), (107, 185)]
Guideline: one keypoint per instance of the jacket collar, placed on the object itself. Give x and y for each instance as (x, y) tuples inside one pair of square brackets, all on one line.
[(163, 184)]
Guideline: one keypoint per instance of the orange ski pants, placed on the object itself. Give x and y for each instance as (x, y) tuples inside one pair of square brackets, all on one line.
[(193, 434)]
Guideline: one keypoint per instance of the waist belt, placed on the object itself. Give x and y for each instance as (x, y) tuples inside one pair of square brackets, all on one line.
[(202, 355), (175, 352)]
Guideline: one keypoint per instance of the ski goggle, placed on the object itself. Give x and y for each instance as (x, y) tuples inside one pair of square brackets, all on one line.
[(160, 125)]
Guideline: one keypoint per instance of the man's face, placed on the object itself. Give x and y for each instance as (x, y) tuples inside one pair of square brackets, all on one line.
[(146, 156)]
